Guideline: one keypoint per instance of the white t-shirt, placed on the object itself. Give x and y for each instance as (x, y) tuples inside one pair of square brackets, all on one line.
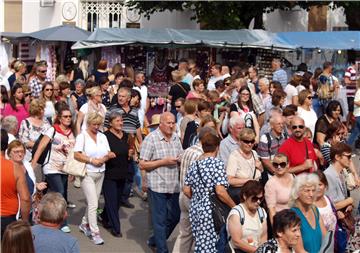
[(291, 92), (309, 118), (212, 81), (49, 110), (141, 112), (85, 110), (356, 107), (92, 149)]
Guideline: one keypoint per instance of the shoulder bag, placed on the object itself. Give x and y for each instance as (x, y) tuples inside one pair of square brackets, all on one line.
[(74, 167), (47, 150), (349, 180)]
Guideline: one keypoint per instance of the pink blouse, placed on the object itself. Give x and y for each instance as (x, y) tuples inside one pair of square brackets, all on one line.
[(21, 114), (276, 194)]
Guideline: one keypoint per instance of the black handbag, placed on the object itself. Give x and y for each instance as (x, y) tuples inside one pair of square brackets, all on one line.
[(219, 210)]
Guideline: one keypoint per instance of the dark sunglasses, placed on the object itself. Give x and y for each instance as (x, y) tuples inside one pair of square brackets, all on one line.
[(309, 97), (42, 71), (256, 199), (248, 141), (27, 94), (299, 126), (67, 116), (49, 89), (177, 106), (348, 156), (282, 164)]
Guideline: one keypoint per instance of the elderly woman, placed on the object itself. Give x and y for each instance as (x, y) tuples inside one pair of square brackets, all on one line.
[(116, 172), (205, 176), (93, 105), (305, 110), (92, 148), (244, 108), (278, 187), (47, 96), (287, 233), (243, 164), (33, 126), (78, 96), (63, 140), (9, 124), (302, 198), (246, 223)]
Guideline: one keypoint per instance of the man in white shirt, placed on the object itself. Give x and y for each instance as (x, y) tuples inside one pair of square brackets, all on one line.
[(225, 71), (215, 76), (264, 93), (279, 74), (139, 85)]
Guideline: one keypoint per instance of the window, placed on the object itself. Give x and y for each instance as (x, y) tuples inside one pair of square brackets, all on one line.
[(100, 14)]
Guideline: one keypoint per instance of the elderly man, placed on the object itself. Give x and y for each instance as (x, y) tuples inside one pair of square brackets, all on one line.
[(47, 236), (299, 149), (279, 74), (40, 77), (184, 242), (131, 126), (231, 142), (264, 87), (270, 143), (159, 156)]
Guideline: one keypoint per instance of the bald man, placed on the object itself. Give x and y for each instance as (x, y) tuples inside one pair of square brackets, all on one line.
[(299, 149), (159, 156)]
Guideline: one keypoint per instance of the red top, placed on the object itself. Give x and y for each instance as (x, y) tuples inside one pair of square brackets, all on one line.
[(9, 198), (296, 151)]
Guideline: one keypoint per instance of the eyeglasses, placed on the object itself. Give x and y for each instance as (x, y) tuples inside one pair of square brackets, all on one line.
[(248, 141), (257, 199), (282, 164), (299, 126), (309, 97), (48, 89), (348, 156), (66, 116)]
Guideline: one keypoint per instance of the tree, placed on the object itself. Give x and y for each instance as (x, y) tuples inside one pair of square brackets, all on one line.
[(238, 14)]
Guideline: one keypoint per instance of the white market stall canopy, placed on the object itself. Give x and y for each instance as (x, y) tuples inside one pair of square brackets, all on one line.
[(103, 37), (343, 40)]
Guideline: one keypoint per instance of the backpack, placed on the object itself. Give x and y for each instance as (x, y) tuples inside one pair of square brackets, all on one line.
[(325, 84)]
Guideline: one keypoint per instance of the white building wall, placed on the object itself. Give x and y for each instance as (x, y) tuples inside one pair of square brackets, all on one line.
[(2, 16)]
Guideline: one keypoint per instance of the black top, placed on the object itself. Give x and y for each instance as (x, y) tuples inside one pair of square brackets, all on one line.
[(191, 128), (321, 126), (98, 75), (178, 90), (117, 168)]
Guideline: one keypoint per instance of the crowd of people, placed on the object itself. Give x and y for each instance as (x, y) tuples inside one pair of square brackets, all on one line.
[(277, 152)]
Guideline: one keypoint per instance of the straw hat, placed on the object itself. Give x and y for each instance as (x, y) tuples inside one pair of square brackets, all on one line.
[(155, 120)]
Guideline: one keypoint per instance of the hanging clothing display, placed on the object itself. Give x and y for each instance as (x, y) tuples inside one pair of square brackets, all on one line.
[(111, 55)]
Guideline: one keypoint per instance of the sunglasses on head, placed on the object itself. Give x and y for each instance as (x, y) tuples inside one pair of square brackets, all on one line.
[(257, 199), (299, 126), (282, 164), (248, 141)]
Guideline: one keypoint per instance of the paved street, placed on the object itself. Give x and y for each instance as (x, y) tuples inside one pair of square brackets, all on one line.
[(134, 225)]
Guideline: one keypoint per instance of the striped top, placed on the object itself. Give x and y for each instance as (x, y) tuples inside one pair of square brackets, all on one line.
[(350, 73), (130, 119)]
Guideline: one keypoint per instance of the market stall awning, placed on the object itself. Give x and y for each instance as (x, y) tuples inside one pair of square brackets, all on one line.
[(345, 40), (13, 35), (215, 38), (61, 33)]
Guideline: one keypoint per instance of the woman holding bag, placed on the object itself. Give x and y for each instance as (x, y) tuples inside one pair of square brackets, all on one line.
[(62, 141), (92, 148)]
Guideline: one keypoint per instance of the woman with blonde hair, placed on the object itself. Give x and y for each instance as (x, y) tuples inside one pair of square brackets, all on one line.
[(20, 69), (94, 104), (18, 238), (92, 148), (302, 201), (33, 126)]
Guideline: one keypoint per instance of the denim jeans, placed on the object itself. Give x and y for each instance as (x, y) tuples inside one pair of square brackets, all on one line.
[(137, 176), (165, 212), (58, 183), (316, 107), (355, 131)]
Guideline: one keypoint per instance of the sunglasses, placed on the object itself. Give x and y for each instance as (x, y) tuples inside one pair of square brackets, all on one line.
[(309, 97), (348, 156), (299, 126), (48, 89), (42, 71), (178, 106), (67, 116), (248, 141), (27, 94), (282, 164), (257, 199)]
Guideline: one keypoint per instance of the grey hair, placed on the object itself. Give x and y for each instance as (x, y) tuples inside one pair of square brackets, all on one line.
[(301, 181), (128, 90), (205, 130), (113, 115), (265, 81), (235, 120), (10, 124), (80, 81), (52, 208)]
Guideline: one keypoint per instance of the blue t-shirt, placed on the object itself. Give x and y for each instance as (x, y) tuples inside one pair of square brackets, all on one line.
[(311, 237), (53, 240)]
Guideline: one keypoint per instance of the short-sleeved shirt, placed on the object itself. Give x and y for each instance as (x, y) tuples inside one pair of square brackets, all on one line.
[(309, 118), (227, 146), (53, 240), (84, 143), (191, 154), (164, 179), (336, 184), (356, 107), (267, 151), (178, 90), (60, 148), (280, 76), (351, 87), (36, 86), (240, 167), (321, 126), (130, 119), (291, 92), (296, 152), (86, 109), (277, 195)]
